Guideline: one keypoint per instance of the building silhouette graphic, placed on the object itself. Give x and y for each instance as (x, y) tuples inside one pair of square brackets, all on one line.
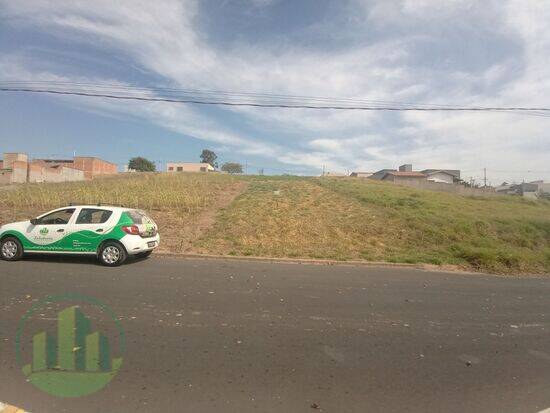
[(76, 349)]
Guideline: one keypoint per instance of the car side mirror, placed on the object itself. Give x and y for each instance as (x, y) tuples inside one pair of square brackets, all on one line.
[(34, 221)]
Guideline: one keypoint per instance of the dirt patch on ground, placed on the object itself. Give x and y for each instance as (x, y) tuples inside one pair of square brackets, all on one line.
[(178, 233)]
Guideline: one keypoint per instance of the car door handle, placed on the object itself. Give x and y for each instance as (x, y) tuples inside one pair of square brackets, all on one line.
[(99, 230), (61, 230)]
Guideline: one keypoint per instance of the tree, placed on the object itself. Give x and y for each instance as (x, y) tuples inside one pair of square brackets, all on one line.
[(208, 156), (232, 168), (141, 165)]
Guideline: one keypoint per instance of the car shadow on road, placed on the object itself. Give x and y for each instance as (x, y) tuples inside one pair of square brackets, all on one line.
[(75, 259)]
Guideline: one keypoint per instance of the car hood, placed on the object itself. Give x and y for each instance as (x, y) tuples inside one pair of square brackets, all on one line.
[(17, 226)]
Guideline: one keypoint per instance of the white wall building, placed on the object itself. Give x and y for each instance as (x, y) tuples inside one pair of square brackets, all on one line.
[(189, 167), (441, 177)]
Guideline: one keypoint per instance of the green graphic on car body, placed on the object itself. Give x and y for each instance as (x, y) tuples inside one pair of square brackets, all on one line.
[(79, 241), (110, 233), (149, 225)]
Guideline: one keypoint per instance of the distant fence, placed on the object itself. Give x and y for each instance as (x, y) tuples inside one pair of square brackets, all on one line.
[(450, 188)]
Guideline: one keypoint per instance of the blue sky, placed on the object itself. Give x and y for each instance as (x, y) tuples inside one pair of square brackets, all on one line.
[(421, 51)]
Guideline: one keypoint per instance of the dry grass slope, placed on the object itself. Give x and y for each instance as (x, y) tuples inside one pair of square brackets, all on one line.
[(304, 220), (358, 219)]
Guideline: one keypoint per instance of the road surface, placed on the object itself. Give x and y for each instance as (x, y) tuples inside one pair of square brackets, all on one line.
[(238, 336)]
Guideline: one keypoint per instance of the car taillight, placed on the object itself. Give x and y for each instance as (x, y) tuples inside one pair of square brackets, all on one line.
[(132, 230)]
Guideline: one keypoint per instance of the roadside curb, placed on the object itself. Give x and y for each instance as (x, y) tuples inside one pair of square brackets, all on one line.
[(7, 408), (312, 261), (451, 269)]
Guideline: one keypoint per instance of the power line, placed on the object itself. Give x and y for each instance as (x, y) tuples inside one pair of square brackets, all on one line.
[(278, 105), (273, 100), (271, 96), (24, 83)]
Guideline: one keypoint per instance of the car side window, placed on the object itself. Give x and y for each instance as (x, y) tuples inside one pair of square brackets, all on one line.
[(61, 217), (93, 216)]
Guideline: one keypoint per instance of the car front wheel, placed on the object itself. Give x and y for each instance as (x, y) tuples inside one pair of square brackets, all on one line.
[(112, 254), (11, 249)]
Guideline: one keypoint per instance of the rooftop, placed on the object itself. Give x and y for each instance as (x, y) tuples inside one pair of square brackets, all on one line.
[(409, 174), (438, 171)]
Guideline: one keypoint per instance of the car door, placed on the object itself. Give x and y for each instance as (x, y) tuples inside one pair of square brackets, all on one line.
[(90, 227), (51, 230)]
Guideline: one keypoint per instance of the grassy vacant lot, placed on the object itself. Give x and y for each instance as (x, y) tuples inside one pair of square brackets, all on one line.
[(361, 219), (316, 218)]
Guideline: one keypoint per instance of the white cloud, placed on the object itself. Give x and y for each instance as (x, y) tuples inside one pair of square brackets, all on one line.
[(414, 54)]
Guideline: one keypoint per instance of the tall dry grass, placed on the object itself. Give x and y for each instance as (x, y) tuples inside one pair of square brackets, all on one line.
[(182, 193)]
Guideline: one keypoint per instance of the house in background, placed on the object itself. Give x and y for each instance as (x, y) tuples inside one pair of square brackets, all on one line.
[(93, 166), (90, 165), (543, 187), (381, 173), (532, 190), (506, 188), (38, 173), (14, 168), (448, 176), (442, 175), (401, 176), (524, 189), (189, 167), (17, 168)]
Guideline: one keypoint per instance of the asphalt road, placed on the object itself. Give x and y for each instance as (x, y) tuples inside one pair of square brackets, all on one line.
[(234, 336)]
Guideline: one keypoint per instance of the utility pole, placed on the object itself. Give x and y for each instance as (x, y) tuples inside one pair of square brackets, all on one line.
[(323, 170), (485, 177), (246, 167)]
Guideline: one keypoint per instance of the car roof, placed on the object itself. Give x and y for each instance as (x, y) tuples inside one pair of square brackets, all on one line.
[(109, 207), (113, 207)]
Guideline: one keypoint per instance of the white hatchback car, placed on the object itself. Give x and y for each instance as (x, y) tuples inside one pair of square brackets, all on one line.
[(111, 233)]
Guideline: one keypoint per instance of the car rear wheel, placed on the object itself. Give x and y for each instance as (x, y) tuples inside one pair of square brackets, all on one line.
[(11, 249), (112, 254)]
